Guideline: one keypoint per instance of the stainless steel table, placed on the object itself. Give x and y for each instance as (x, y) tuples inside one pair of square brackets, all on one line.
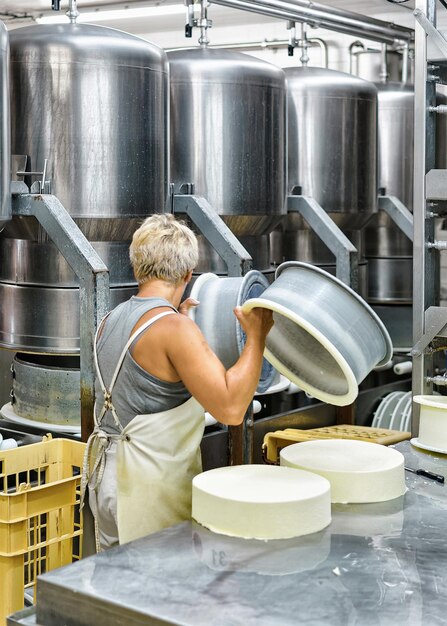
[(376, 564)]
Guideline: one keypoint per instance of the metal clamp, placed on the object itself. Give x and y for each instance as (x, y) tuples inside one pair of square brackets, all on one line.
[(42, 186)]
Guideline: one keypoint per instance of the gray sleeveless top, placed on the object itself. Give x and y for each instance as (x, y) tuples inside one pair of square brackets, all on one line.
[(136, 392)]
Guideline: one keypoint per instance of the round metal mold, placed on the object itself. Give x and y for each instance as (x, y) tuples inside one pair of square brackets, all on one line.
[(390, 280), (299, 243), (215, 318), (326, 338), (398, 320), (45, 320), (46, 391), (27, 262), (384, 239)]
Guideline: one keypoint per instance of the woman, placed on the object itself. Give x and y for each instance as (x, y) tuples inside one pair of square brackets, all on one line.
[(156, 376)]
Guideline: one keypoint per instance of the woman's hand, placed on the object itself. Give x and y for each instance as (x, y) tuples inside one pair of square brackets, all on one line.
[(187, 304), (257, 322)]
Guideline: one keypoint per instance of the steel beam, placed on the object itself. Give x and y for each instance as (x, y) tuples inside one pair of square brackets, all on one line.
[(93, 278), (399, 213), (214, 229), (346, 255)]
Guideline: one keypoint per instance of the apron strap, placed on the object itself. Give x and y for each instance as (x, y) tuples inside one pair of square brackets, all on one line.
[(108, 404), (95, 353), (102, 439)]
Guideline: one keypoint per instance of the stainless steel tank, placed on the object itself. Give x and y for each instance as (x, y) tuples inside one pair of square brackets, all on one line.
[(228, 138), (5, 131), (331, 157), (332, 142), (94, 102), (388, 250)]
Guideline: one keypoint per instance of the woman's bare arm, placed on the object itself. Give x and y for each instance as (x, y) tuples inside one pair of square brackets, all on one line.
[(225, 394)]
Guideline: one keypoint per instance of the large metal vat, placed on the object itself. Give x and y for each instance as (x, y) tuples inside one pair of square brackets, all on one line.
[(5, 148), (332, 142), (388, 250), (228, 138), (94, 102), (331, 157)]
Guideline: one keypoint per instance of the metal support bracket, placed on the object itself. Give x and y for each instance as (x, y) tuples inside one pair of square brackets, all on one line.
[(399, 213), (93, 284), (435, 326), (346, 255), (433, 33), (214, 229), (435, 183)]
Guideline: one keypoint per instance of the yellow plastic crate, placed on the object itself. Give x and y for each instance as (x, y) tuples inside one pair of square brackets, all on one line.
[(40, 521), (275, 441)]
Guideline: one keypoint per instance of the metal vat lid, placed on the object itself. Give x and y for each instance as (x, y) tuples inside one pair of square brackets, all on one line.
[(220, 66), (85, 43), (328, 83)]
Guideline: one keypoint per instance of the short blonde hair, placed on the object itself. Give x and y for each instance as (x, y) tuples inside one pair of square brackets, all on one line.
[(163, 248)]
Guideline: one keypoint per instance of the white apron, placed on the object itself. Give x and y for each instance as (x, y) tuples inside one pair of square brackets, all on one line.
[(157, 456)]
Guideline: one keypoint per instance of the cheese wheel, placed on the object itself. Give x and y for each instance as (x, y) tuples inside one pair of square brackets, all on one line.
[(261, 502), (357, 470), (432, 423)]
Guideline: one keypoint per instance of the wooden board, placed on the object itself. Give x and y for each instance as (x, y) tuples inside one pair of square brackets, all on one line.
[(275, 441)]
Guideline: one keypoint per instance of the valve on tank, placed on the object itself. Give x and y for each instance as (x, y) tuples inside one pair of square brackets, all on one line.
[(72, 12), (201, 22), (302, 43)]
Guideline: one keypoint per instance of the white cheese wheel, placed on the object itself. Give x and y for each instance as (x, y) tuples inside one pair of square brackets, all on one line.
[(261, 502), (433, 422), (357, 470)]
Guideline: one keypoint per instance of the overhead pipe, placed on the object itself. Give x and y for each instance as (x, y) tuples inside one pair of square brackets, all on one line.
[(330, 18), (361, 46), (265, 44)]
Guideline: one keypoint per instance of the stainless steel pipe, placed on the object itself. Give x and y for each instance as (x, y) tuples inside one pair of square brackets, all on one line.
[(325, 17)]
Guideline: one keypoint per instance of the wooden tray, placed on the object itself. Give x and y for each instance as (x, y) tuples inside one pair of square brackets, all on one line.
[(275, 441)]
